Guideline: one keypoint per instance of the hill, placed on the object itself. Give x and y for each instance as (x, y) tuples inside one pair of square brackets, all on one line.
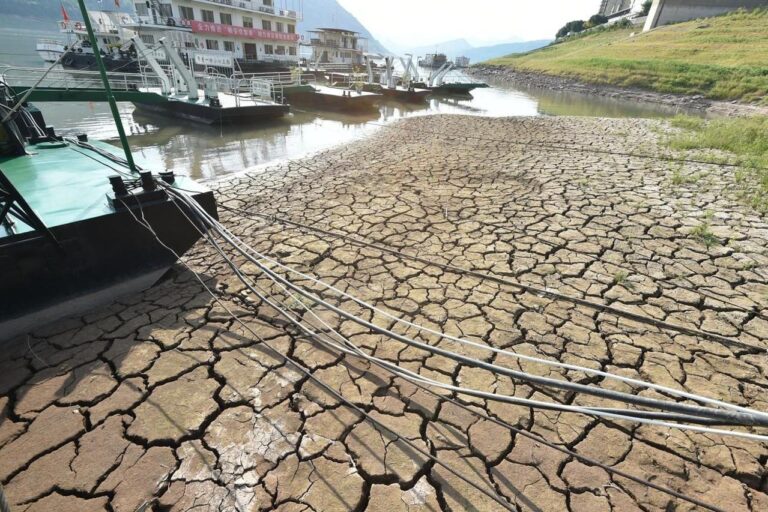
[(328, 13), (725, 57), (450, 48), (484, 53)]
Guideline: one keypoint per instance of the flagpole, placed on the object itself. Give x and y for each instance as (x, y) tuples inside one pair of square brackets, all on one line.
[(107, 88)]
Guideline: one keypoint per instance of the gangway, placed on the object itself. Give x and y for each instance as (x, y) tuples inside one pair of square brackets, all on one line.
[(61, 85)]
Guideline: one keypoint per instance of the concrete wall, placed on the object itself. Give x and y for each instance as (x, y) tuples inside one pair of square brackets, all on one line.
[(664, 12), (611, 7)]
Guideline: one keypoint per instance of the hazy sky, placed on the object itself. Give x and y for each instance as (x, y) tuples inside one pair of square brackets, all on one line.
[(410, 23)]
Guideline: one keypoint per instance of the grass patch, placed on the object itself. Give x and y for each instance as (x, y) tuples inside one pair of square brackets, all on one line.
[(703, 232), (725, 57), (746, 139)]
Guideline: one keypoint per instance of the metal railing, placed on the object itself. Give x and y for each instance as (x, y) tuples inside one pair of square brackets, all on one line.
[(75, 80)]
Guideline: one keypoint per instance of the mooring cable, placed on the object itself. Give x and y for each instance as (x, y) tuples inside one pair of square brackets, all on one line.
[(592, 371), (606, 308), (516, 430), (750, 417), (631, 415), (327, 388)]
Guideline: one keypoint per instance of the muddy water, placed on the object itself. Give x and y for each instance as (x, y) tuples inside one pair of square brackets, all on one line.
[(209, 152)]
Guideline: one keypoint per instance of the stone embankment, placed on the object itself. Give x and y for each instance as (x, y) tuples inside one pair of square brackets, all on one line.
[(686, 104), (164, 400)]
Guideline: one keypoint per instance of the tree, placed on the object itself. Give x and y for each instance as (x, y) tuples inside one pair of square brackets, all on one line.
[(571, 27), (597, 19), (646, 7)]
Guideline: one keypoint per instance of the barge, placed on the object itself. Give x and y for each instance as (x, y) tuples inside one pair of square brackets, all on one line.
[(69, 238)]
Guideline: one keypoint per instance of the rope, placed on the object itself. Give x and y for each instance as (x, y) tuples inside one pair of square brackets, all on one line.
[(515, 430)]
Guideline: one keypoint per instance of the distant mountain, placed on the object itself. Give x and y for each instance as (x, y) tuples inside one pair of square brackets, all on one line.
[(500, 50), (329, 14), (450, 48), (461, 47)]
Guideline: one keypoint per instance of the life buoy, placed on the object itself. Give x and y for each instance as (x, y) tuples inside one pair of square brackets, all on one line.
[(78, 26), (124, 20)]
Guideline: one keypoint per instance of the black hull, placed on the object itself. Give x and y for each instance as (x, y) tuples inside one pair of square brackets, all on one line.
[(215, 115), (100, 259), (87, 62), (318, 100)]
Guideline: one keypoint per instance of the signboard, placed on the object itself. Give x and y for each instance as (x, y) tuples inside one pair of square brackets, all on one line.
[(222, 60), (204, 27)]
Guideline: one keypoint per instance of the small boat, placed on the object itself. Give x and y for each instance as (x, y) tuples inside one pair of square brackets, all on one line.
[(331, 98), (69, 238), (400, 93), (433, 60)]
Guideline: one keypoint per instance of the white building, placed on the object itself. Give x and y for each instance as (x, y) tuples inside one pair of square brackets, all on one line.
[(337, 46), (254, 31)]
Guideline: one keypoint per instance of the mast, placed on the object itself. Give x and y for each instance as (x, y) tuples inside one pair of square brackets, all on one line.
[(107, 88)]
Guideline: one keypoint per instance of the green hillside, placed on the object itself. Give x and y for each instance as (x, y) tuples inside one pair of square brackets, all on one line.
[(721, 58)]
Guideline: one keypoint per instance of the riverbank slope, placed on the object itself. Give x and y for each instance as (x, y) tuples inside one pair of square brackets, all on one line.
[(720, 58)]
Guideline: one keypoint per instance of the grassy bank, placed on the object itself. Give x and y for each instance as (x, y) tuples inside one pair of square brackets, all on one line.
[(722, 58), (743, 141)]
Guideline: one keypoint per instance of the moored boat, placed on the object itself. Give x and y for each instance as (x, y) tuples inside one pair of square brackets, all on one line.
[(69, 235)]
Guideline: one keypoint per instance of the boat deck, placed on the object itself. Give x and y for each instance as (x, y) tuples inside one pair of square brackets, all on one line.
[(64, 183)]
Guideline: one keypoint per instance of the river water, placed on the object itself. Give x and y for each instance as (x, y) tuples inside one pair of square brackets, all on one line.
[(206, 152)]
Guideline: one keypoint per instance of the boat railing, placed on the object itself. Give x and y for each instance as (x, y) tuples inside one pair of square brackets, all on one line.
[(76, 80)]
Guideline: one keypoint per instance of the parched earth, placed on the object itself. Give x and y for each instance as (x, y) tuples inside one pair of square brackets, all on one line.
[(165, 401)]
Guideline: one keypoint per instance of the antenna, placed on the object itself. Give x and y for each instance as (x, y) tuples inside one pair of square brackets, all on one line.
[(107, 88)]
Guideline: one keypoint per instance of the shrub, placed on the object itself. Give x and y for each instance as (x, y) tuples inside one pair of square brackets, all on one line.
[(597, 19), (646, 7), (572, 26)]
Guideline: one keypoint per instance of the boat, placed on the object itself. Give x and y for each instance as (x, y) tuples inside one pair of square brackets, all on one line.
[(404, 91), (242, 101), (256, 35), (331, 98), (68, 237), (76, 53), (80, 225), (433, 60), (461, 62)]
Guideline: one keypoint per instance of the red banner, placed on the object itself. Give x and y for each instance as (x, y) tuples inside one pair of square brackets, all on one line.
[(204, 27)]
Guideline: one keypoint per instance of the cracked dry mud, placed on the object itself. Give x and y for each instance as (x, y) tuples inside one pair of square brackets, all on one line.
[(162, 398)]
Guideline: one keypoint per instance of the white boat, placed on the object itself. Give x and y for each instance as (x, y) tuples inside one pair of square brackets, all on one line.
[(50, 49)]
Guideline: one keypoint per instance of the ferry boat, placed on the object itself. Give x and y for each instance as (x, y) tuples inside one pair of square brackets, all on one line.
[(259, 36), (69, 240), (337, 48), (116, 54), (433, 60)]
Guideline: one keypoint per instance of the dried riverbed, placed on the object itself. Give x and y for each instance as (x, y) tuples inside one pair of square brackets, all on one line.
[(163, 398)]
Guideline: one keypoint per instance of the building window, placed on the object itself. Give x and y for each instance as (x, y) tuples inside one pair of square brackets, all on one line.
[(186, 13), (148, 39), (226, 19), (212, 44), (247, 22), (207, 15), (268, 3), (229, 46), (141, 9), (266, 24), (268, 48), (292, 50), (188, 44), (280, 50), (278, 27), (291, 29), (166, 11)]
